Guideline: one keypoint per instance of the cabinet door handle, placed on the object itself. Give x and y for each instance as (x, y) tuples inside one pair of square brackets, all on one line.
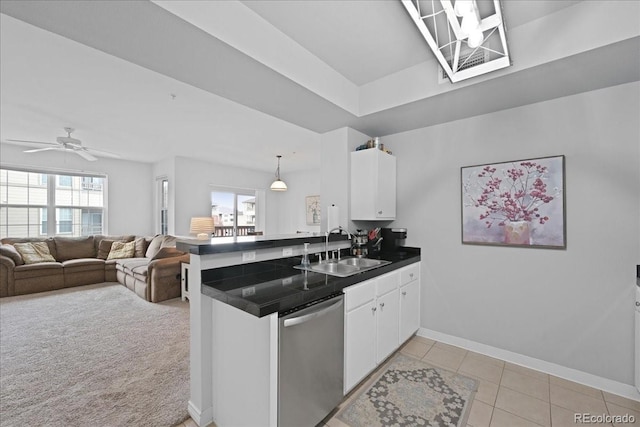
[(373, 309), (404, 292), (411, 275), (379, 212), (381, 304)]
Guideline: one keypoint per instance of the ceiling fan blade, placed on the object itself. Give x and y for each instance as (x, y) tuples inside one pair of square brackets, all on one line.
[(32, 142), (102, 153), (37, 150), (85, 155)]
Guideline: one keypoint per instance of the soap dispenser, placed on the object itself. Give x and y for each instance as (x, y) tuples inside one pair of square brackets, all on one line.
[(305, 256)]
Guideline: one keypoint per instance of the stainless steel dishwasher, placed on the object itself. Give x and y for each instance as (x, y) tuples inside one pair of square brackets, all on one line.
[(310, 363)]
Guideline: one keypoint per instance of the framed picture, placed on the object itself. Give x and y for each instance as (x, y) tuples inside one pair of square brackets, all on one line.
[(312, 207), (518, 203)]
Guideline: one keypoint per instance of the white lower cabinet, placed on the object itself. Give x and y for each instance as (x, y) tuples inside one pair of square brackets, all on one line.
[(409, 301), (378, 319), (371, 325)]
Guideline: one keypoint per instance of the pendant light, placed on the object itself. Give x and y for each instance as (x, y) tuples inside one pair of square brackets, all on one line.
[(278, 184)]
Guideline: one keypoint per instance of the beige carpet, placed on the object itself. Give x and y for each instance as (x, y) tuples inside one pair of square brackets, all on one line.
[(94, 355)]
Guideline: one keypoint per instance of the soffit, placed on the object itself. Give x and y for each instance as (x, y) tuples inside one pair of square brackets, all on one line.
[(160, 43)]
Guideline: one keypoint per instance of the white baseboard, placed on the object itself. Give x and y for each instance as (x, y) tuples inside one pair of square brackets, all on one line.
[(201, 418), (570, 374)]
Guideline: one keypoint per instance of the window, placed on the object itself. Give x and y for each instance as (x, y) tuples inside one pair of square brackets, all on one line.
[(91, 183), (163, 205), (234, 213), (65, 181), (39, 203), (65, 221)]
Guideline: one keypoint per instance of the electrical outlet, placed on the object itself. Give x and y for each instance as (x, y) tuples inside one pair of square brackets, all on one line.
[(248, 256), (247, 292), (287, 281), (287, 252)]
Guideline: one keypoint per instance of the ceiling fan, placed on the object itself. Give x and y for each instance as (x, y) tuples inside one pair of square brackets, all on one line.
[(67, 143)]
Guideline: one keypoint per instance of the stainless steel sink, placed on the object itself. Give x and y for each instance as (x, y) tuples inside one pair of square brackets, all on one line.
[(363, 263), (335, 269), (345, 267)]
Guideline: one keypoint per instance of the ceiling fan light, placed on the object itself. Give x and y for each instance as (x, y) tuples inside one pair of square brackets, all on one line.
[(475, 39), (470, 23), (463, 7)]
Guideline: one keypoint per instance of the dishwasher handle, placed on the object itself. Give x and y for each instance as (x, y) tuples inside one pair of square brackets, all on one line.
[(305, 318)]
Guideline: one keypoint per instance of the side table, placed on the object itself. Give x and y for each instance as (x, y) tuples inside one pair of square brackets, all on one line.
[(184, 280)]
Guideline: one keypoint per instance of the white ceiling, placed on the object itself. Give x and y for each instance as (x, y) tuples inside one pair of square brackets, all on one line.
[(260, 78)]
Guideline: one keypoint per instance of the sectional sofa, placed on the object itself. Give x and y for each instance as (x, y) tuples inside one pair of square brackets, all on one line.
[(151, 270)]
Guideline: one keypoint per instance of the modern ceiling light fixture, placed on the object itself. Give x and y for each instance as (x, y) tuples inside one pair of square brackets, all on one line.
[(448, 27), (278, 184)]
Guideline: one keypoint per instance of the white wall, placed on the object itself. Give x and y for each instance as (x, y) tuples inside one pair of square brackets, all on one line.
[(130, 191), (571, 307), (335, 160), (194, 181), (291, 204)]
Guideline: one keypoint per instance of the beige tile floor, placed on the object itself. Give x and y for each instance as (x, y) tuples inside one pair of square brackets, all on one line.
[(510, 395)]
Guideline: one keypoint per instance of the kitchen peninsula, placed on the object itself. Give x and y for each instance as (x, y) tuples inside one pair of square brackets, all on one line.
[(240, 289)]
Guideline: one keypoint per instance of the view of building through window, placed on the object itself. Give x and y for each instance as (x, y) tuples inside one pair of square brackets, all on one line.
[(39, 203), (234, 214)]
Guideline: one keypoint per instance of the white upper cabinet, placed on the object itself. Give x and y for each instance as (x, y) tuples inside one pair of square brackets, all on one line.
[(373, 185)]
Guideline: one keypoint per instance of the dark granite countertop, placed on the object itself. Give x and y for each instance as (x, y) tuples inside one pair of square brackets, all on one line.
[(267, 287), (244, 243)]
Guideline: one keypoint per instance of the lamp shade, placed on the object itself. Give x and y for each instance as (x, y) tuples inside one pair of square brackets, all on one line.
[(279, 185), (202, 226)]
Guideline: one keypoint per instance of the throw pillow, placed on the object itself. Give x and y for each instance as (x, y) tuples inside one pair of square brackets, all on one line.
[(121, 250), (168, 242), (10, 252), (104, 248), (167, 252), (141, 247), (34, 252), (154, 246)]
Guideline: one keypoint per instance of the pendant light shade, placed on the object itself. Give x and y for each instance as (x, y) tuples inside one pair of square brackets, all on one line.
[(278, 184)]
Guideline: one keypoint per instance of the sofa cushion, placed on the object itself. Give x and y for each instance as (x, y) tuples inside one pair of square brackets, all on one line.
[(141, 247), (97, 238), (154, 246), (167, 252), (74, 247), (127, 265), (49, 241), (104, 248), (83, 264), (121, 250), (27, 271), (34, 252), (168, 242), (10, 252), (134, 267)]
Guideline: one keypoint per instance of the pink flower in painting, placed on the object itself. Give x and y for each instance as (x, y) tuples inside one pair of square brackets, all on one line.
[(517, 195)]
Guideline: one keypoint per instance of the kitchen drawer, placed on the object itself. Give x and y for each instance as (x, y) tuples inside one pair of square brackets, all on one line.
[(410, 273), (359, 294), (387, 283)]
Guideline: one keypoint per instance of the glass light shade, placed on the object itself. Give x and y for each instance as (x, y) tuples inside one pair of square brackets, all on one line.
[(470, 23), (279, 185), (475, 39), (463, 7)]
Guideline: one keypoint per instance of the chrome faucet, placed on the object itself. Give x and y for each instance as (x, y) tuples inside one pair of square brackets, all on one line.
[(326, 241)]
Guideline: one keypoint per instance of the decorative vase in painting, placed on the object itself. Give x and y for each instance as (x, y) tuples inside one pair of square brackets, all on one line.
[(517, 233)]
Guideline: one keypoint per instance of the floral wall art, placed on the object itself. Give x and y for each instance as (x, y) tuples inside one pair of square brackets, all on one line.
[(312, 207), (517, 203)]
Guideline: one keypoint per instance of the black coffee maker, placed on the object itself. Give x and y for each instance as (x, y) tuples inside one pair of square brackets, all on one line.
[(393, 239)]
